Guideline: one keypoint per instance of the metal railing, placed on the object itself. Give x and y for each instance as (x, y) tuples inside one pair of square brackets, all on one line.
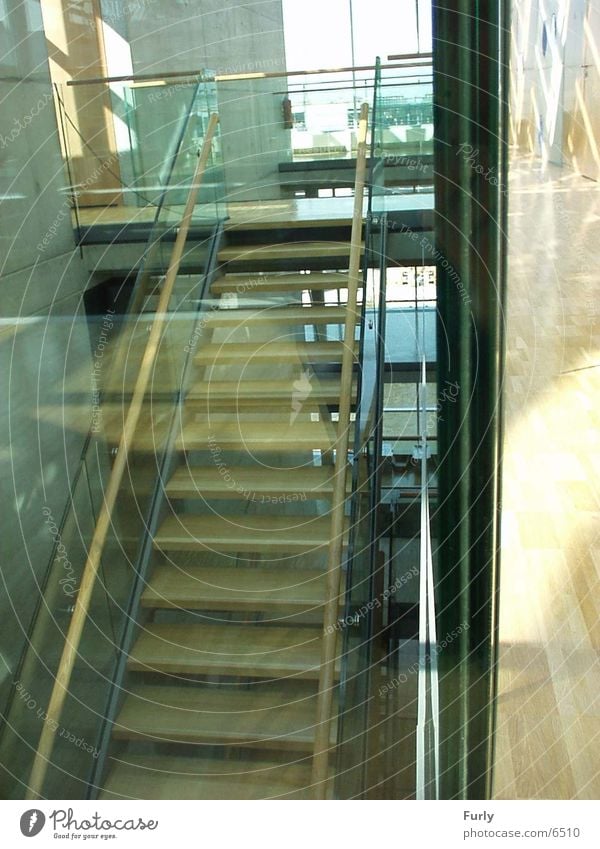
[(428, 705)]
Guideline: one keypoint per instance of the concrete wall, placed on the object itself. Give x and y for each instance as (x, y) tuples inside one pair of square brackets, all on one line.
[(76, 50), (43, 332), (227, 38), (555, 82)]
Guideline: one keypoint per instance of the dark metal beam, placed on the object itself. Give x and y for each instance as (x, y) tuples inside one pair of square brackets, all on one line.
[(470, 41)]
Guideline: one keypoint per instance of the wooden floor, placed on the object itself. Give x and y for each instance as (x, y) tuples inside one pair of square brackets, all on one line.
[(299, 212), (548, 741)]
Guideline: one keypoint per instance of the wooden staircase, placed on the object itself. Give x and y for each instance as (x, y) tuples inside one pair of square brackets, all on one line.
[(221, 693), (231, 678)]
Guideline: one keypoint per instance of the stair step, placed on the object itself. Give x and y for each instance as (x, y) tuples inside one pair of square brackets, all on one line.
[(275, 315), (252, 483), (253, 435), (280, 717), (232, 650), (308, 390), (263, 534), (155, 777), (243, 284), (287, 250), (271, 352), (227, 588)]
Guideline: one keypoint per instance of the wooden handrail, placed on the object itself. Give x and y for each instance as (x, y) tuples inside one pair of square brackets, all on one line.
[(271, 75), (334, 560), (194, 76), (67, 661)]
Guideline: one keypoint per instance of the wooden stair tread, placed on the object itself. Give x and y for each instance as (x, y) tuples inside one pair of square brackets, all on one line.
[(156, 777), (276, 315), (267, 534), (230, 649), (223, 588), (291, 250), (270, 352), (198, 481), (271, 283), (263, 716), (313, 390), (253, 435)]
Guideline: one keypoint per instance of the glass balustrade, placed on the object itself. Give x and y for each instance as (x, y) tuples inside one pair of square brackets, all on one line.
[(304, 127), (403, 132), (130, 151), (92, 407), (282, 137), (389, 732)]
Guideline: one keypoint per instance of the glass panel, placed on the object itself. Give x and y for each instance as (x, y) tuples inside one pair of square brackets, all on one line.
[(403, 132), (364, 576), (388, 738), (96, 402), (131, 150), (34, 679), (124, 552), (156, 133), (295, 136)]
